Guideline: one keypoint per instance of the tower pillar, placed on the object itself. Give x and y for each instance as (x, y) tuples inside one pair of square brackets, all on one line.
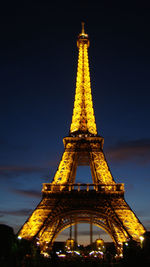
[(91, 230), (75, 232)]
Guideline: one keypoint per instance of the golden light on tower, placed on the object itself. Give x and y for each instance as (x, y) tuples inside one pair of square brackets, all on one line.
[(64, 202), (70, 244), (100, 245), (99, 242), (83, 118)]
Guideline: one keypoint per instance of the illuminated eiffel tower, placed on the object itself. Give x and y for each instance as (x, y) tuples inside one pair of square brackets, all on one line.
[(65, 203)]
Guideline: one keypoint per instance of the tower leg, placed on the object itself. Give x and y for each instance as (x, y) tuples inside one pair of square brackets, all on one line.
[(91, 231), (71, 230), (75, 233)]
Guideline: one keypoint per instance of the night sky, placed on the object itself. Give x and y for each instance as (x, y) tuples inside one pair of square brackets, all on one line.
[(38, 64)]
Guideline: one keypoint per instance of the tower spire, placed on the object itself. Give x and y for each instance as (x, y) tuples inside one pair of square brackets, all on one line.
[(83, 32), (83, 119)]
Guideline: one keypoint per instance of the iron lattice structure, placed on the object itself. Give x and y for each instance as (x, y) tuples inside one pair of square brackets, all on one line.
[(65, 203)]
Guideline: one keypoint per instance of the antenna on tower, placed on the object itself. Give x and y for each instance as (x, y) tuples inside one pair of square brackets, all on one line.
[(83, 32)]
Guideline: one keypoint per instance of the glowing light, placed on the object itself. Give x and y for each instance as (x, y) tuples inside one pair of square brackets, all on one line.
[(45, 254), (91, 252), (19, 237), (141, 238), (62, 255), (96, 253), (77, 252)]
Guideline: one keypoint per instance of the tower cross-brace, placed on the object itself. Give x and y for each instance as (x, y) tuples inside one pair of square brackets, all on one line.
[(65, 203)]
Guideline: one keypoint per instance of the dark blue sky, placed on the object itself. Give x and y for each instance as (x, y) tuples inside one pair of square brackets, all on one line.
[(38, 62)]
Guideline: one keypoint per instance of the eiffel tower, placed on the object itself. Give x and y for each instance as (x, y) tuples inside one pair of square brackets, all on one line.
[(64, 202)]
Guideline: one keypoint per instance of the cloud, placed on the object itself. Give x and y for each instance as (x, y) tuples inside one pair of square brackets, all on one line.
[(20, 212), (9, 171), (135, 150), (28, 193)]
